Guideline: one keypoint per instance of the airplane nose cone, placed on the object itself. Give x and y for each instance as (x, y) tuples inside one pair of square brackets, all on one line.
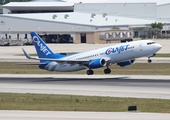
[(157, 47)]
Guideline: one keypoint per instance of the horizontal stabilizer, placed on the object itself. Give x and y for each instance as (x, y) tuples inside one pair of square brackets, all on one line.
[(56, 60), (33, 64), (26, 54)]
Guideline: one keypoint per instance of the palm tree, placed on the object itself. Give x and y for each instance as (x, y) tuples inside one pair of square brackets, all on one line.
[(154, 31)]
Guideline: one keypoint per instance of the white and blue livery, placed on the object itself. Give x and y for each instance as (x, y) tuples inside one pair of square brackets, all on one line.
[(123, 54)]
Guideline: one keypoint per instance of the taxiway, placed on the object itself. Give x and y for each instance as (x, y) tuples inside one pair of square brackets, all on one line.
[(49, 115)]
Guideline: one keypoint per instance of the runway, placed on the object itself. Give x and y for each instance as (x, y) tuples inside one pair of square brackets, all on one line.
[(97, 85)]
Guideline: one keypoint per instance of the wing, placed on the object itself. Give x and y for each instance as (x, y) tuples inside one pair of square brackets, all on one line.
[(81, 62)]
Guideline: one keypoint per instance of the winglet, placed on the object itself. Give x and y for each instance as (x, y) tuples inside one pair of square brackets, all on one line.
[(26, 54)]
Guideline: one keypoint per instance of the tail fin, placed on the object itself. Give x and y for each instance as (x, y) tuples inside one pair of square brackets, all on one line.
[(42, 49)]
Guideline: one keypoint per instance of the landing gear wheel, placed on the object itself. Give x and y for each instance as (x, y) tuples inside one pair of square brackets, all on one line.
[(149, 60), (89, 72), (107, 71)]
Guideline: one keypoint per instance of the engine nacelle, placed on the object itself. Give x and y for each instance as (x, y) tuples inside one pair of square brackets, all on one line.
[(126, 63), (97, 63), (49, 66)]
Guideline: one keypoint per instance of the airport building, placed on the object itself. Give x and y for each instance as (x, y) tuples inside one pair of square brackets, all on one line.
[(62, 22)]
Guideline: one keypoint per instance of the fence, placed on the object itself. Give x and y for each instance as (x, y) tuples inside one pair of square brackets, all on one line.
[(15, 42)]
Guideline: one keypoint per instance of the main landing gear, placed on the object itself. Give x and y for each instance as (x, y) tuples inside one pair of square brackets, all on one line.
[(107, 71), (90, 72)]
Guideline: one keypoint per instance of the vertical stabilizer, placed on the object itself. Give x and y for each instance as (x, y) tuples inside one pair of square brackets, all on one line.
[(43, 51)]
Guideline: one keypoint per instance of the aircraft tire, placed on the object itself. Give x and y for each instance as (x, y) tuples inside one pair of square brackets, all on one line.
[(90, 72), (149, 60), (107, 71)]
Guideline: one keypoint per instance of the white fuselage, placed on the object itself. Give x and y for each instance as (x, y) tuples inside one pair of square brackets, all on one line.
[(116, 53)]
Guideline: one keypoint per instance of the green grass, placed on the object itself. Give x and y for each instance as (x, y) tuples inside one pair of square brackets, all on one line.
[(136, 69), (44, 102), (162, 55)]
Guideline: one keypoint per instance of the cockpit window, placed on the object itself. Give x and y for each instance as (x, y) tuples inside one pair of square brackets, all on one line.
[(149, 43)]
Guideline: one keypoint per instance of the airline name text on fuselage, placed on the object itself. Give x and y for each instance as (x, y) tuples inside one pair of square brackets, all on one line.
[(118, 49)]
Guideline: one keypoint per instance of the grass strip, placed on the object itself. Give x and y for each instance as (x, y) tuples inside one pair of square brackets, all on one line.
[(162, 55), (136, 69), (43, 102)]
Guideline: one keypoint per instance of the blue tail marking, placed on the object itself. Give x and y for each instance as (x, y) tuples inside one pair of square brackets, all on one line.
[(42, 49)]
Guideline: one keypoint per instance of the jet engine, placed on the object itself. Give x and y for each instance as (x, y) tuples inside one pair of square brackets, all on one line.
[(49, 66), (97, 63), (126, 63)]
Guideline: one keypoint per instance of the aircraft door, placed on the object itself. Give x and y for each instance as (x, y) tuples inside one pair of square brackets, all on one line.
[(140, 46)]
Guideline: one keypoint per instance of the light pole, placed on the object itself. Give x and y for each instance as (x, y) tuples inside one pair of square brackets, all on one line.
[(9, 32), (165, 31)]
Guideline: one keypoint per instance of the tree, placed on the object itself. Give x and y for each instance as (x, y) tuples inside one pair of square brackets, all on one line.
[(158, 25), (156, 29)]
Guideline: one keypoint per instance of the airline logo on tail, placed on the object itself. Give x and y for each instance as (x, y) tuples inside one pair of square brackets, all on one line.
[(41, 46)]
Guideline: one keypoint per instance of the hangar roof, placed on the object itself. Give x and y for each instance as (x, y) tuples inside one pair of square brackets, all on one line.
[(163, 4), (84, 19), (39, 5)]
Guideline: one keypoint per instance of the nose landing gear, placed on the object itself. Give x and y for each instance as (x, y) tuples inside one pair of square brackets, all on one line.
[(149, 60), (149, 57)]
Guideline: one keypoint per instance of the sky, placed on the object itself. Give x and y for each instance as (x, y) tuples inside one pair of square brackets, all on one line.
[(120, 1)]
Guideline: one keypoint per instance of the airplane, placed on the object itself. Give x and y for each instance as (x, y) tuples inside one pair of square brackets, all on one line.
[(123, 54)]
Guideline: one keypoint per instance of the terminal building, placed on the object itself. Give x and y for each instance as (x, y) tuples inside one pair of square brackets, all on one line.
[(63, 22)]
